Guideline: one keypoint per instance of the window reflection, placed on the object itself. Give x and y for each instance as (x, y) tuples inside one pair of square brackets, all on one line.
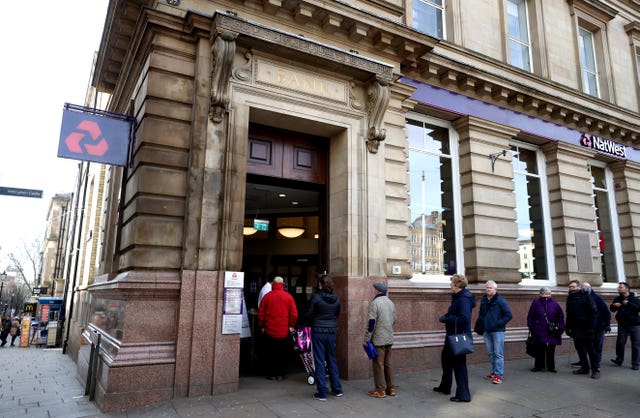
[(604, 229), (431, 200), (529, 214)]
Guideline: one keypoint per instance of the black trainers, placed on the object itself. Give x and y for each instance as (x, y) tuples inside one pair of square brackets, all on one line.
[(576, 364), (616, 362), (319, 396), (337, 394)]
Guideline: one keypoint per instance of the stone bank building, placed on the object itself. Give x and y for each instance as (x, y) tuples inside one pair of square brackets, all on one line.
[(383, 140)]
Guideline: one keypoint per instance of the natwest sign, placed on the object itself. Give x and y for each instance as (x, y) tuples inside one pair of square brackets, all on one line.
[(606, 146)]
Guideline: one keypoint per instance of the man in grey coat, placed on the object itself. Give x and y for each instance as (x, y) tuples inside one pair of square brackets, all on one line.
[(382, 316)]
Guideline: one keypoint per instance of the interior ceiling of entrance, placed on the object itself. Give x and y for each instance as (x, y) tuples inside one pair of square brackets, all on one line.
[(266, 199)]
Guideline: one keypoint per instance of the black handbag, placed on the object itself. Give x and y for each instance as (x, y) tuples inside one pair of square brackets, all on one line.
[(554, 329), (460, 343), (531, 346)]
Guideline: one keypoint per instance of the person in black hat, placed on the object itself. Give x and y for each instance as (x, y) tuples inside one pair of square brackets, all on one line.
[(382, 316)]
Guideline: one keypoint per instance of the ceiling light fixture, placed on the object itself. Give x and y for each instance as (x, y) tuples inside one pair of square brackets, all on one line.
[(248, 230), (291, 231)]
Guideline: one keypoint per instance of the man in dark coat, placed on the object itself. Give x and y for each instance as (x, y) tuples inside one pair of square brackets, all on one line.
[(602, 321), (627, 308), (580, 325)]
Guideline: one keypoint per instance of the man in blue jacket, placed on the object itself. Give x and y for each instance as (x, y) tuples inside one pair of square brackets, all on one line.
[(492, 320)]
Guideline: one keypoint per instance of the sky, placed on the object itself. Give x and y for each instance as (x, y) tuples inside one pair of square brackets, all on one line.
[(46, 59)]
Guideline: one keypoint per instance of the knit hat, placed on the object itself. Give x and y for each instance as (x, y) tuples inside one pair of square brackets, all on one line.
[(380, 287)]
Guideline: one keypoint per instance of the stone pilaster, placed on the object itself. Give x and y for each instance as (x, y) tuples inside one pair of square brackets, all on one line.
[(488, 201), (572, 213), (626, 178)]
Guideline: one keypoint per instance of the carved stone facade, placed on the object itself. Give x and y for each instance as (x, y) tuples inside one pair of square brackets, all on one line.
[(353, 76)]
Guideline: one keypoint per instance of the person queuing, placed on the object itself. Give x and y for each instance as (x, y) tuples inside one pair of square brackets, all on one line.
[(627, 309), (457, 319), (492, 321), (381, 317), (322, 315), (601, 321), (581, 314), (277, 316), (545, 310)]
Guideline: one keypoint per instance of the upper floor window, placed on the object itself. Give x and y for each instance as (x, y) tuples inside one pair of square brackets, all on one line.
[(428, 17), (593, 61), (434, 199), (518, 34), (588, 68)]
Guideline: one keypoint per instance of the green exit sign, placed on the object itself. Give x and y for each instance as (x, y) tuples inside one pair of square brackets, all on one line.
[(260, 225)]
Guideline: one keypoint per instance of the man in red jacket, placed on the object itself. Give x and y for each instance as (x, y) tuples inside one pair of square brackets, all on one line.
[(277, 316)]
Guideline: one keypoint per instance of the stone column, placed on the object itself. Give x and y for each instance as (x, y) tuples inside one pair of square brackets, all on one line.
[(626, 175), (572, 213), (488, 201)]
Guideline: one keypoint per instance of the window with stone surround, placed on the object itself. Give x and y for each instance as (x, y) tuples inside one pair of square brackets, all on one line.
[(532, 214), (633, 30), (606, 222), (428, 17), (518, 37), (593, 56), (434, 191)]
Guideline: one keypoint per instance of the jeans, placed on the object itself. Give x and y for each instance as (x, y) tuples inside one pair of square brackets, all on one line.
[(324, 350), (625, 332), (495, 349), (586, 353)]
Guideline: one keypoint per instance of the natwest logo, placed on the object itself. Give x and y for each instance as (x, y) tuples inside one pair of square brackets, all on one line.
[(603, 145)]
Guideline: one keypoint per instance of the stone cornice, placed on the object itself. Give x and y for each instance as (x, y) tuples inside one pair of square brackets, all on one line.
[(416, 55)]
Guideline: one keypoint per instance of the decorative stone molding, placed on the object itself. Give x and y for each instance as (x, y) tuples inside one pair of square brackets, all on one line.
[(223, 50), (378, 92), (243, 72), (287, 44)]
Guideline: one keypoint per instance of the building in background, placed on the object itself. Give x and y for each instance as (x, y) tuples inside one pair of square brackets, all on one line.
[(376, 140), (54, 245)]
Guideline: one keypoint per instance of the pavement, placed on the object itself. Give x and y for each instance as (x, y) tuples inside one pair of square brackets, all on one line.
[(39, 382)]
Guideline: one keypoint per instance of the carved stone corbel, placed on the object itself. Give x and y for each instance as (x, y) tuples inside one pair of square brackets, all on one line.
[(223, 50), (379, 93)]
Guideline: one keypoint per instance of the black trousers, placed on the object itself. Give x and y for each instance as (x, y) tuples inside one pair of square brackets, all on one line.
[(587, 353), (454, 366), (545, 354), (278, 350)]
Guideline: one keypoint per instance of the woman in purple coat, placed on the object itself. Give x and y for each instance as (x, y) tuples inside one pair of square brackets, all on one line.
[(543, 311)]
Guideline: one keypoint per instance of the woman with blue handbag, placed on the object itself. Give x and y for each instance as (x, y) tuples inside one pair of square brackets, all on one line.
[(456, 320)]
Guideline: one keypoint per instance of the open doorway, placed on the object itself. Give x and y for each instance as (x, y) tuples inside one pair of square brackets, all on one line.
[(285, 224)]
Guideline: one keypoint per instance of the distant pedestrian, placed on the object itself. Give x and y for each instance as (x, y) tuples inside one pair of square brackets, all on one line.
[(543, 311), (15, 330), (5, 328), (381, 317), (627, 308), (492, 320), (457, 319), (581, 313), (601, 321), (322, 315), (277, 317)]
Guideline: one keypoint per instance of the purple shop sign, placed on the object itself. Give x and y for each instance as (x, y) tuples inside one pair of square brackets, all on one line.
[(463, 105)]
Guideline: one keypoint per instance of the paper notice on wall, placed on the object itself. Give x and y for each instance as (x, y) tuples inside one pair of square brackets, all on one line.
[(231, 324)]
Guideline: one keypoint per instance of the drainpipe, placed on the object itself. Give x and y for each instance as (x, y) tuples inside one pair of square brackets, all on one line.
[(76, 252)]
